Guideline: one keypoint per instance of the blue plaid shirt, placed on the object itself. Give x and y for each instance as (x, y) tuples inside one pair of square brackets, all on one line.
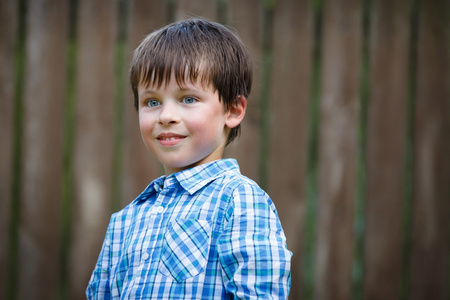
[(204, 233)]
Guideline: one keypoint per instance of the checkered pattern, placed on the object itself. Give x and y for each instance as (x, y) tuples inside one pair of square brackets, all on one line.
[(203, 233), (185, 249)]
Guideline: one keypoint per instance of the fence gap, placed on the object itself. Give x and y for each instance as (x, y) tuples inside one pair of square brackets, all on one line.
[(121, 85), (19, 83), (309, 242), (68, 145), (358, 261), (8, 47), (266, 72), (67, 182)]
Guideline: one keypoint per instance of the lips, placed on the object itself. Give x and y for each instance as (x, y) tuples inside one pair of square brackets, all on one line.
[(169, 139)]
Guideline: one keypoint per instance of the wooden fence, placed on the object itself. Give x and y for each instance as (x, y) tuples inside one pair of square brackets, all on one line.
[(347, 129)]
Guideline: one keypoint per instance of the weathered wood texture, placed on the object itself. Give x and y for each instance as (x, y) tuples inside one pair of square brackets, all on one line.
[(288, 131), (386, 148), (338, 148), (46, 42), (431, 197), (93, 144), (57, 191)]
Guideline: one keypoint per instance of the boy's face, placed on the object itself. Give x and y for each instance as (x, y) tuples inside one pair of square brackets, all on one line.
[(183, 127)]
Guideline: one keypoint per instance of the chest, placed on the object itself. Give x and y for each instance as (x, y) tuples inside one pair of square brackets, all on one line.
[(171, 236)]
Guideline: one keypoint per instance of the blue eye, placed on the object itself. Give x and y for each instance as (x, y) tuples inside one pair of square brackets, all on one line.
[(189, 100), (152, 103)]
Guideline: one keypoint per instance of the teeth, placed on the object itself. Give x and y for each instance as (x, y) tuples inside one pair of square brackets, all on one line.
[(170, 139)]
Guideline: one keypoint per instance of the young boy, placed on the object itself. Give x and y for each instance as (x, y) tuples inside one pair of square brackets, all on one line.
[(203, 230)]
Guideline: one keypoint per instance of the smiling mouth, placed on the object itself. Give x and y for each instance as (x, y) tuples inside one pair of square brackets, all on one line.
[(168, 140)]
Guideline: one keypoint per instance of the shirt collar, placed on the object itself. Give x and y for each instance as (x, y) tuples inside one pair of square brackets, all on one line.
[(192, 179), (196, 178)]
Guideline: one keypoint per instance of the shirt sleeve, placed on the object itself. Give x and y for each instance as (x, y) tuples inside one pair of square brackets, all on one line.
[(252, 247), (98, 287)]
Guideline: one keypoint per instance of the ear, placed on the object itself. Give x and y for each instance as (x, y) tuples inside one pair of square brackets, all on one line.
[(237, 112)]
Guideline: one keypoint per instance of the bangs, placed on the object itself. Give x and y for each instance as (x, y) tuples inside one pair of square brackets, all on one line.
[(172, 51), (157, 69)]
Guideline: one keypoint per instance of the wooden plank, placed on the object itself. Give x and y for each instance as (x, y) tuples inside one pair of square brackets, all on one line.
[(139, 166), (337, 148), (245, 17), (288, 131), (386, 149), (8, 38), (431, 205), (42, 153), (93, 144)]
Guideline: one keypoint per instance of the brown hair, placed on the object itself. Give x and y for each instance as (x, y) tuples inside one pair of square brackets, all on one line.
[(193, 48)]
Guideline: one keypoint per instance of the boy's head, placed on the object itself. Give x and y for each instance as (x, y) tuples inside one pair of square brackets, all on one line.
[(194, 50)]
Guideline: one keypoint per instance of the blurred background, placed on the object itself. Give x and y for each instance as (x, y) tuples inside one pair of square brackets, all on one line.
[(347, 128)]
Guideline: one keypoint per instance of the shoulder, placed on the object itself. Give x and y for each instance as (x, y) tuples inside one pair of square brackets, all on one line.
[(233, 181), (239, 190), (240, 186), (245, 196)]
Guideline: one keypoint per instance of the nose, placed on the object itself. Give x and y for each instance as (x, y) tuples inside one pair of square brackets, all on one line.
[(169, 114)]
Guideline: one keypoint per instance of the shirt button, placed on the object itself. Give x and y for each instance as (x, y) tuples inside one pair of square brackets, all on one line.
[(145, 256), (160, 209)]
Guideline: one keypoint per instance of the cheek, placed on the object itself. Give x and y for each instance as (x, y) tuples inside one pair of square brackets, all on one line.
[(146, 128), (145, 123), (207, 131)]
